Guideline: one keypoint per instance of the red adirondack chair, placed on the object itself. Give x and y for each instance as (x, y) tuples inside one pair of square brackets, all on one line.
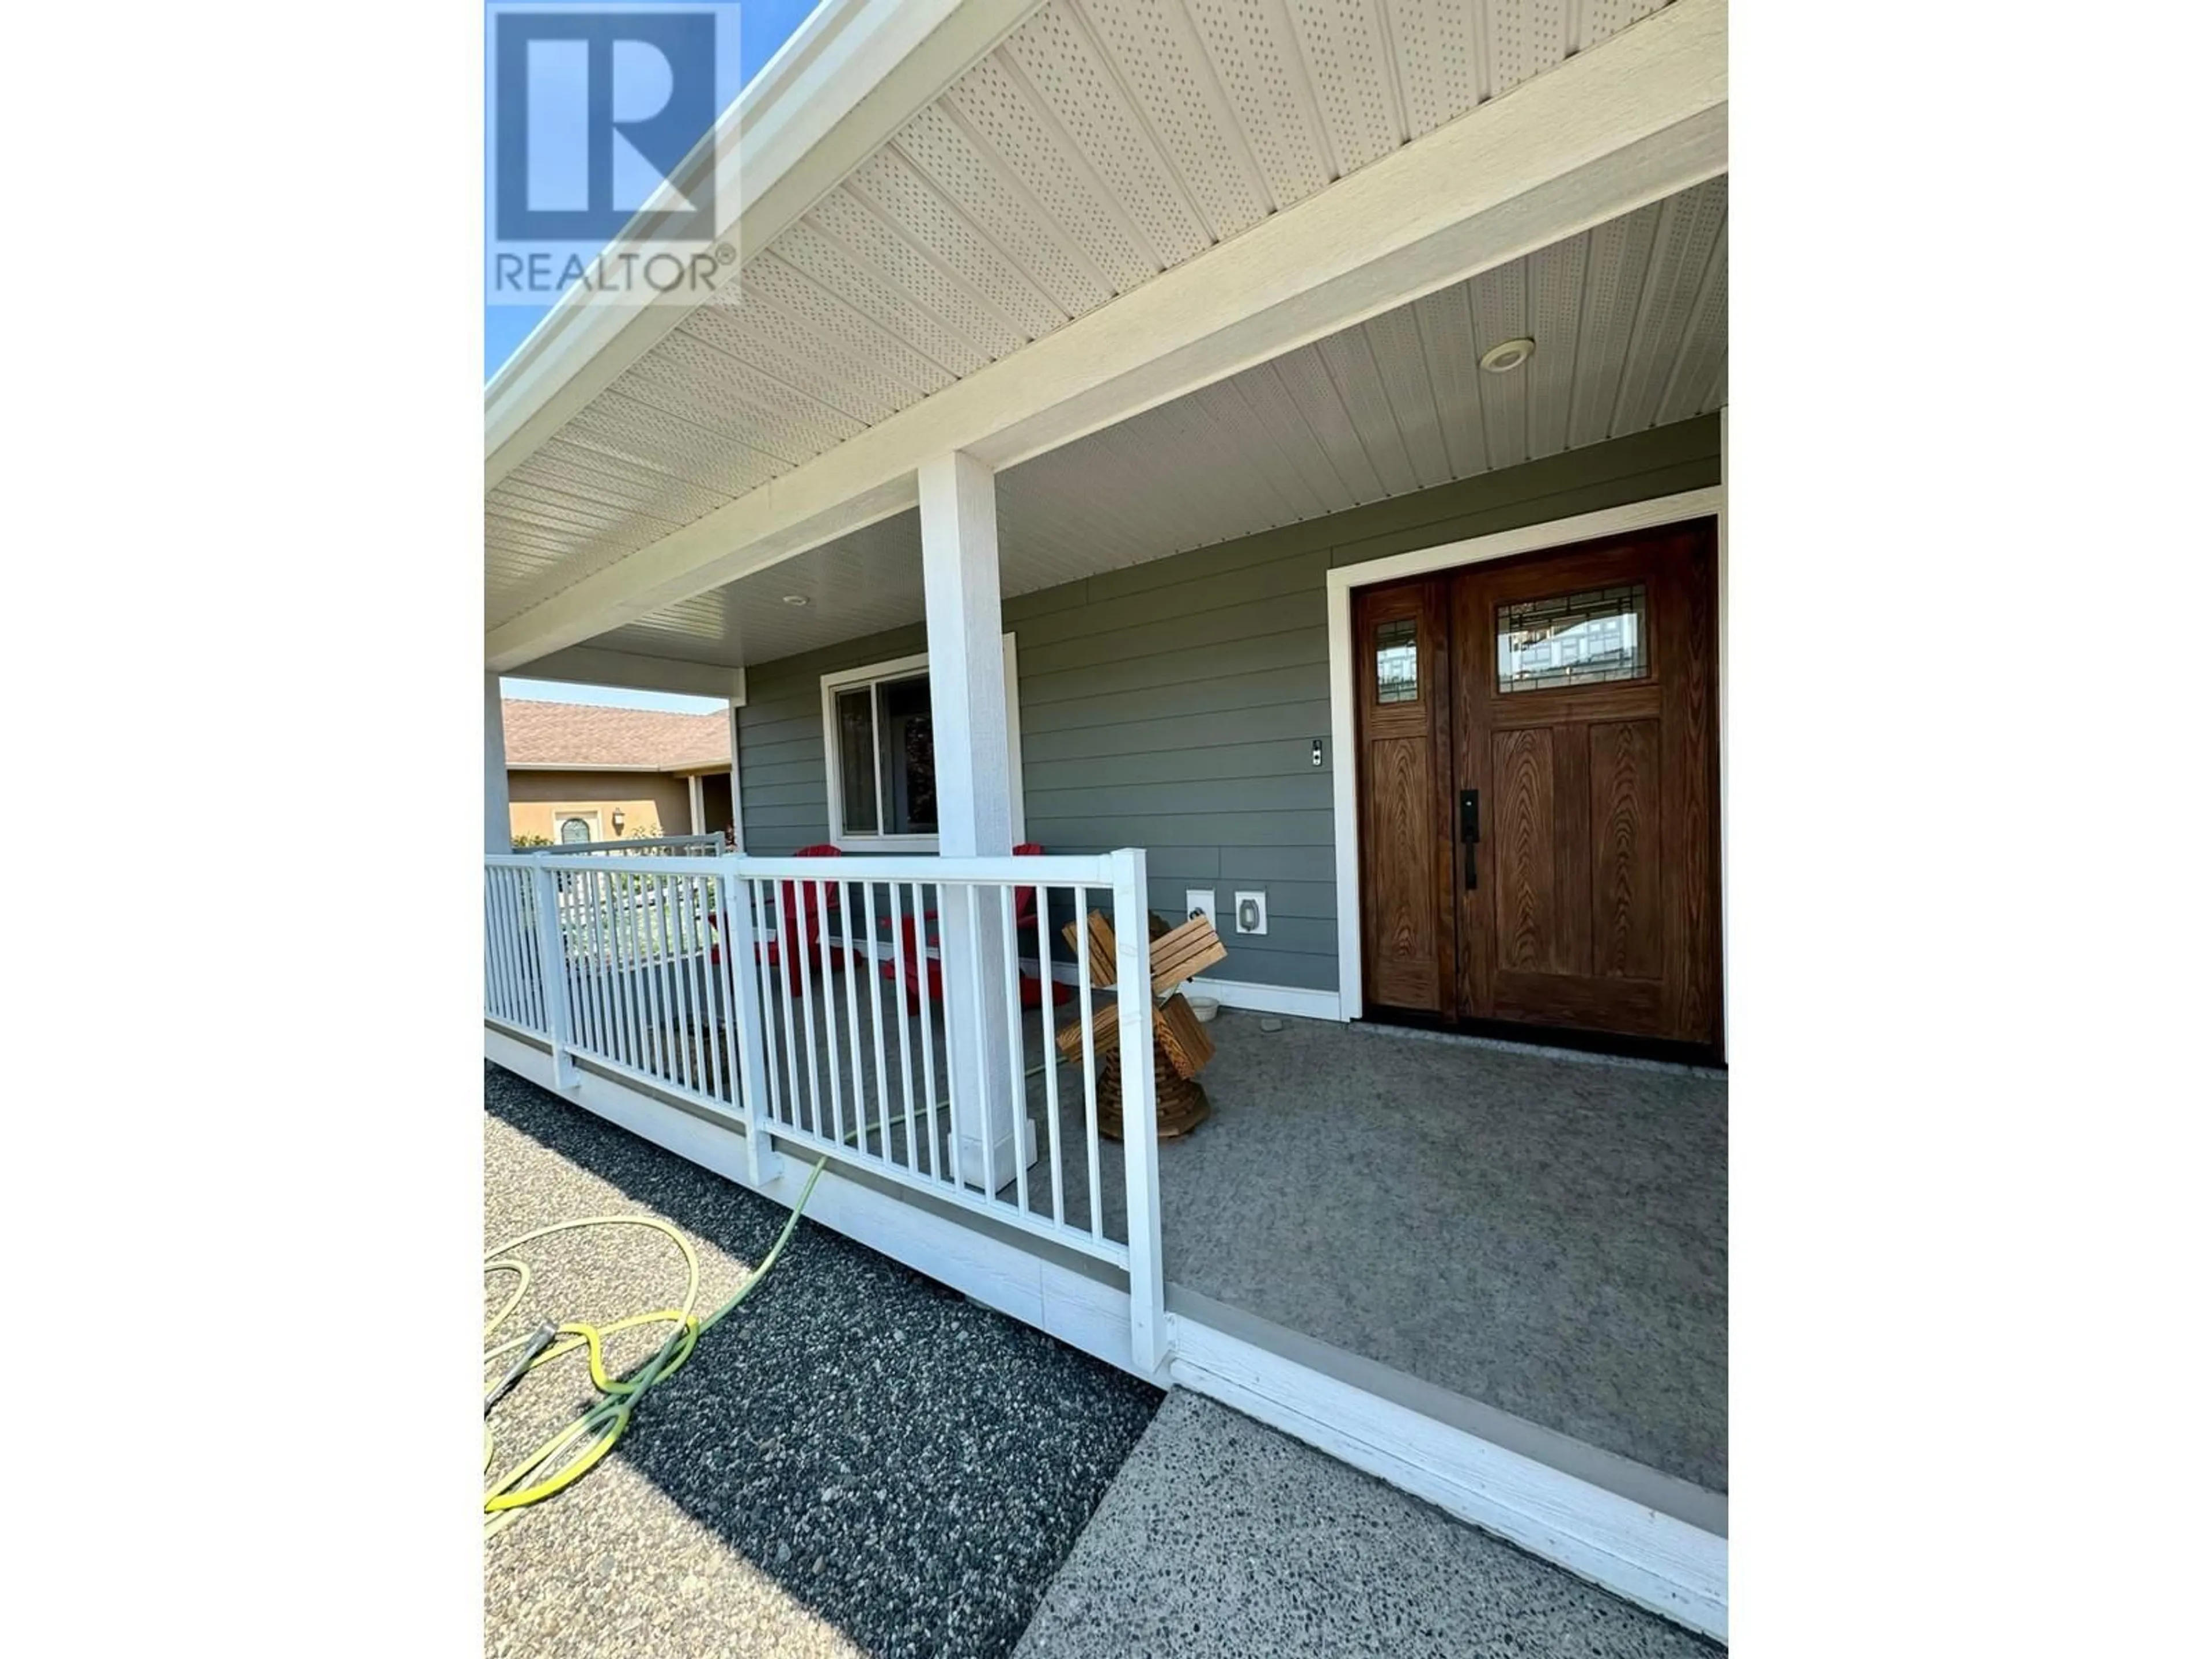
[(925, 974), (811, 926)]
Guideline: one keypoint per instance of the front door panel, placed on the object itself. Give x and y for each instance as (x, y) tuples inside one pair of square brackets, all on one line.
[(1539, 791), (1581, 715)]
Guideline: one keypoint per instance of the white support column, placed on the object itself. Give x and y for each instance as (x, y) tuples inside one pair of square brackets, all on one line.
[(698, 793), (498, 836), (975, 807)]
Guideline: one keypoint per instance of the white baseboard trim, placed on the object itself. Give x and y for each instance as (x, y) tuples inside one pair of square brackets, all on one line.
[(1676, 1569), (1268, 999)]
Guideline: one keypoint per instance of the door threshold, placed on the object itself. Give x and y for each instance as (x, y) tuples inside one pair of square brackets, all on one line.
[(1548, 1045)]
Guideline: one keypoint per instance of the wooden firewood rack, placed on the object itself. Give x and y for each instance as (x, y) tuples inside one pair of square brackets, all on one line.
[(1180, 1045)]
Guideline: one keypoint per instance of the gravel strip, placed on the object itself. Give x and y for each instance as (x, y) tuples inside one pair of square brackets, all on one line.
[(858, 1462)]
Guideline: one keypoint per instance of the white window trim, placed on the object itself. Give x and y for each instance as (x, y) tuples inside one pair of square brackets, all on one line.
[(896, 668)]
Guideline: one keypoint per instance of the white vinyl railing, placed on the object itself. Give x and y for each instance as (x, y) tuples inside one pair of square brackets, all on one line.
[(897, 1014)]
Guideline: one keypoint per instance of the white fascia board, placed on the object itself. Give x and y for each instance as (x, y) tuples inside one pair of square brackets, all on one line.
[(626, 670), (642, 769), (856, 72), (1638, 119)]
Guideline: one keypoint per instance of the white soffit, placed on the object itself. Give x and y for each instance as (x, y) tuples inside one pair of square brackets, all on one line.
[(1631, 325), (1101, 142)]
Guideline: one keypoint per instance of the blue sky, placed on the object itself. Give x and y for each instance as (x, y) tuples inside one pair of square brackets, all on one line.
[(763, 26), (555, 691)]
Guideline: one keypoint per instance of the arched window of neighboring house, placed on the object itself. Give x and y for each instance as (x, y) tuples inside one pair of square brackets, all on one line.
[(574, 831)]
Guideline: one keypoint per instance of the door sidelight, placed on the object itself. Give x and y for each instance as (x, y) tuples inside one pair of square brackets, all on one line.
[(1470, 831)]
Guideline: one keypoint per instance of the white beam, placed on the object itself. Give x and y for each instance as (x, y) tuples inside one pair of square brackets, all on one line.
[(1635, 120), (856, 72), (974, 812), (627, 671), (499, 836)]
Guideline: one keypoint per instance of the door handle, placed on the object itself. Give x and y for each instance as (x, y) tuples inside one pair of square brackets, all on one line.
[(1470, 831)]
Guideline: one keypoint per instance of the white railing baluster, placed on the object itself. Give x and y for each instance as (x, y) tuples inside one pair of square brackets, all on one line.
[(799, 954), (921, 966), (1010, 938), (622, 970), (695, 984), (585, 889), (1051, 1055), (756, 927), (1089, 1059), (694, 1012), (520, 947), (906, 1034), (829, 978), (852, 1016), (875, 1002), (497, 999), (710, 895), (971, 903), (782, 978), (531, 945), (750, 1065), (1141, 1146), (603, 901), (672, 1016), (649, 916), (583, 955), (641, 937)]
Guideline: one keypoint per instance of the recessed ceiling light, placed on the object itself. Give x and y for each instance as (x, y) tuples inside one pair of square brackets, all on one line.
[(796, 598), (1507, 355)]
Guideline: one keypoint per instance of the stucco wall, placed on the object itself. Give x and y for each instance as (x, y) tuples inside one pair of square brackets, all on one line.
[(652, 803)]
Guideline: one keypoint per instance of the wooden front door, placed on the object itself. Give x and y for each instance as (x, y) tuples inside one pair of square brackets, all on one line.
[(1573, 824)]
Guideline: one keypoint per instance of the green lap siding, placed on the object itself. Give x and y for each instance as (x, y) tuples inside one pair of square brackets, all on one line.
[(1172, 705)]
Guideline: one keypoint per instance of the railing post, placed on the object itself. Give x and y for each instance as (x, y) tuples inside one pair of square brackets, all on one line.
[(1141, 1146), (553, 954), (743, 984)]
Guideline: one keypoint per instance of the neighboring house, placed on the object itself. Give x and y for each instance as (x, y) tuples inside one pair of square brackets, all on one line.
[(1242, 451), (581, 772)]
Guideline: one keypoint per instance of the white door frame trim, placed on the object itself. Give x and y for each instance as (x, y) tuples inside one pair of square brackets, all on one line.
[(1344, 778)]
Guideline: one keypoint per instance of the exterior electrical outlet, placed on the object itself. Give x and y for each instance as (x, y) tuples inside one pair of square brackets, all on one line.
[(1251, 912)]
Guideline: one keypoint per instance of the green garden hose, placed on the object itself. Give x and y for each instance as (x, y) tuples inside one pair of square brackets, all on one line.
[(598, 1428)]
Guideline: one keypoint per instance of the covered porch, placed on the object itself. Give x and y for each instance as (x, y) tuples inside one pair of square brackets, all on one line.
[(996, 545)]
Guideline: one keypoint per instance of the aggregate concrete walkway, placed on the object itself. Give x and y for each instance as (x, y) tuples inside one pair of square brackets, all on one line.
[(1221, 1539)]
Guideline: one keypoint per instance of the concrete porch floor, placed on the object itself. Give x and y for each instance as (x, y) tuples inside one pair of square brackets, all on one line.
[(1548, 1235)]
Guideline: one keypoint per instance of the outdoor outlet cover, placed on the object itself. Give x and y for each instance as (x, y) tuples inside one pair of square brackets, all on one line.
[(1251, 912), (1197, 900)]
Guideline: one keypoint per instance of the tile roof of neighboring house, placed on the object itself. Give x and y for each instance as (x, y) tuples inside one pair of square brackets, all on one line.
[(586, 735)]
